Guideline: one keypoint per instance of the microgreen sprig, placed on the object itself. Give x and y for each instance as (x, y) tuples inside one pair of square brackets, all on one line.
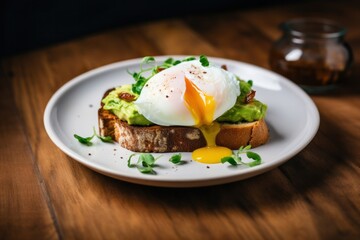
[(204, 61), (145, 163), (87, 140), (141, 78), (84, 140), (235, 159), (176, 159)]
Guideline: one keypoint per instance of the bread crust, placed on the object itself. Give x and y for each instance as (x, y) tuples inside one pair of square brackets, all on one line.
[(176, 138)]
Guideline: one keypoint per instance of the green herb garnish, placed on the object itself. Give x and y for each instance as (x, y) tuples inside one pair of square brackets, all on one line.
[(230, 160), (148, 59), (176, 159), (256, 159), (145, 163), (235, 159), (145, 74), (140, 80), (84, 140), (204, 61), (87, 140), (107, 139)]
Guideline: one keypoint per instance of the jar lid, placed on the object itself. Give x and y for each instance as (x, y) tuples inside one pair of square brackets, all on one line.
[(313, 27)]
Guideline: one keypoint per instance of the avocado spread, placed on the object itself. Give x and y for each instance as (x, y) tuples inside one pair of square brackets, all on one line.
[(240, 112), (124, 110)]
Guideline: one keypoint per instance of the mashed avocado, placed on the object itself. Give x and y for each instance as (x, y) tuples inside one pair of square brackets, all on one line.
[(240, 112), (126, 111)]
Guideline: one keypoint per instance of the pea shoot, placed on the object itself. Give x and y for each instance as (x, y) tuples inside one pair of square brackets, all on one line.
[(235, 159), (145, 74), (145, 163), (204, 61), (87, 140), (176, 159)]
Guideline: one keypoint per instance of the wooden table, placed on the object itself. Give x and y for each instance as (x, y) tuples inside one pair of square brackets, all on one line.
[(45, 194)]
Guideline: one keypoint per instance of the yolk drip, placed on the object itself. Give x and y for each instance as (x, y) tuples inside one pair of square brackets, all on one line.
[(202, 107), (211, 153)]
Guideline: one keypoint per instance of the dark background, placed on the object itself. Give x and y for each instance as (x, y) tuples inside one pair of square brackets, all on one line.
[(30, 24)]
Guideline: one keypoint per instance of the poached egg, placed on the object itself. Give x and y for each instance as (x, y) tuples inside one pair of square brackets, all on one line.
[(189, 94)]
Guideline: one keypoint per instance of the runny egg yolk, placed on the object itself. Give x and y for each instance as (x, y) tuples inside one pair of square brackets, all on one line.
[(202, 107)]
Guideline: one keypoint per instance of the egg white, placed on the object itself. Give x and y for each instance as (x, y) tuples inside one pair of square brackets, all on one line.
[(162, 99)]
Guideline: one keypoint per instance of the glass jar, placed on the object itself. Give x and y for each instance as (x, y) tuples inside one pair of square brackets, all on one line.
[(312, 53)]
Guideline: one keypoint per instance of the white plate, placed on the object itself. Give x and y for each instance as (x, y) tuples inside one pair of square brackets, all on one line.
[(292, 117)]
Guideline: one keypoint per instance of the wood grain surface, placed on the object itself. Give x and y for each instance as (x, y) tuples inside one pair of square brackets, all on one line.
[(45, 194)]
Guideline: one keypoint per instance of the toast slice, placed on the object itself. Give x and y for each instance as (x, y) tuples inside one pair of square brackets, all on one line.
[(176, 138)]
